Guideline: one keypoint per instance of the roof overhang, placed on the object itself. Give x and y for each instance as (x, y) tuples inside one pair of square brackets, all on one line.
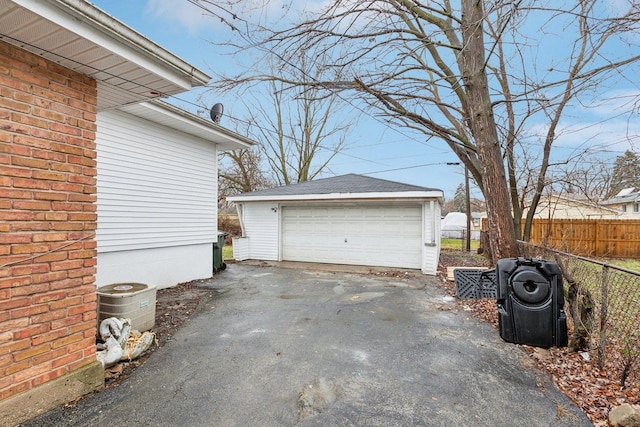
[(417, 196), (173, 117), (128, 67)]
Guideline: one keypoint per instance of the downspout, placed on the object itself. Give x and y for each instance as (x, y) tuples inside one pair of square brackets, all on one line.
[(432, 214)]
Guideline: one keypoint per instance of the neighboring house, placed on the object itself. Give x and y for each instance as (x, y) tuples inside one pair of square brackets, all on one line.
[(626, 203), (70, 76), (157, 187), (349, 219), (570, 206)]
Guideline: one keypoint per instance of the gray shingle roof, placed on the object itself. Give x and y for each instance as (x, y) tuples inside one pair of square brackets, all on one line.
[(350, 183)]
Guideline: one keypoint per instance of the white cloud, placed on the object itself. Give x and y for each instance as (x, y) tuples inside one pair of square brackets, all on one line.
[(181, 13)]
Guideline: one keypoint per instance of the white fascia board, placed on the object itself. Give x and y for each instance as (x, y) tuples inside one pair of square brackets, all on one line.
[(176, 118), (399, 196), (95, 25)]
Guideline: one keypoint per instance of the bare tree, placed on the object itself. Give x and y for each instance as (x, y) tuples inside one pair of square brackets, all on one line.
[(241, 172), (475, 74), (298, 130)]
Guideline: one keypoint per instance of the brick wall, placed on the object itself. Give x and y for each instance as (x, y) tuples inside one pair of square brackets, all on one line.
[(47, 220)]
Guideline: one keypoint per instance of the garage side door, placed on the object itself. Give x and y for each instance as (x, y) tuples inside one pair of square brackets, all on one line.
[(388, 236)]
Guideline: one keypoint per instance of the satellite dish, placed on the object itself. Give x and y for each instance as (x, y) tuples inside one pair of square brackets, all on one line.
[(216, 112)]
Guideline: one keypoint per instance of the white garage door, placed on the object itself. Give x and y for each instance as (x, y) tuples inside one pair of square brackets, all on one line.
[(389, 236)]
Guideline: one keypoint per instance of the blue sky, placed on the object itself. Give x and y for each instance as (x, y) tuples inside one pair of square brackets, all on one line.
[(372, 148)]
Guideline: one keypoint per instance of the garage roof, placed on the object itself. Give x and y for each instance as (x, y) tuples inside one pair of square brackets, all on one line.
[(350, 186)]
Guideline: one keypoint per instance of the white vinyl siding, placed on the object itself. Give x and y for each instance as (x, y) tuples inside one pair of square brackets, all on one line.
[(157, 187), (161, 267), (374, 235), (431, 246), (261, 229)]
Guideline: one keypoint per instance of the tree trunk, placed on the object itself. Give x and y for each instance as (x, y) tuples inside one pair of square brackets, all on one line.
[(483, 127)]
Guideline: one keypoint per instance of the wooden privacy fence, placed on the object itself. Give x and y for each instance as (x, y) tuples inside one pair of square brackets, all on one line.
[(607, 238)]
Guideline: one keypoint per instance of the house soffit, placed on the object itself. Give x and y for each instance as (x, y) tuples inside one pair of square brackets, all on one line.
[(128, 67)]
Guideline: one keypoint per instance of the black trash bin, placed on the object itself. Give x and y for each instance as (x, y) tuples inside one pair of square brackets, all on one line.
[(218, 262), (530, 302)]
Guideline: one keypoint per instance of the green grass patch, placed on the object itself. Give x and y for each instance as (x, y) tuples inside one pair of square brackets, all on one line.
[(227, 252), (458, 244), (629, 264)]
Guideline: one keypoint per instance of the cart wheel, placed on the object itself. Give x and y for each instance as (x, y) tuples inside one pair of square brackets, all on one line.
[(223, 266)]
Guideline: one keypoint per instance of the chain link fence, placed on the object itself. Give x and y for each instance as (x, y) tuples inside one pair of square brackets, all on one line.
[(603, 305)]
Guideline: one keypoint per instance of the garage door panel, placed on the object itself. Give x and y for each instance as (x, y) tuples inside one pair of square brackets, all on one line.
[(370, 235)]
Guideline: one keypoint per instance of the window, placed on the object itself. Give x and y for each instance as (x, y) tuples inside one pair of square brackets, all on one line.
[(636, 209), (623, 208)]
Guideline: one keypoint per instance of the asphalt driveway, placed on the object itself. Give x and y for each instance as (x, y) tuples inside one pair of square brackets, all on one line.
[(284, 347)]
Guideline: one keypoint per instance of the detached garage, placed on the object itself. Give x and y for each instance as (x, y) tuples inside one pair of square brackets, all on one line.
[(349, 219)]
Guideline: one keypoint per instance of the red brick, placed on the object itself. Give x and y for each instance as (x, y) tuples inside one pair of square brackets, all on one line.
[(17, 367), (66, 322), (15, 127), (15, 149), (31, 269), (82, 198), (39, 283), (53, 256), (39, 205), (56, 158), (14, 171), (48, 357), (82, 308), (48, 237), (49, 297), (49, 114), (65, 303), (27, 312), (29, 249), (33, 142), (19, 182), (5, 360), (49, 316), (15, 303), (14, 282), (66, 283), (82, 272), (27, 77), (48, 376), (67, 226), (48, 337), (74, 171), (16, 216), (66, 265), (7, 193), (66, 206), (51, 216), (86, 254), (67, 341), (29, 120), (82, 344), (32, 372), (30, 331), (14, 105), (49, 175)]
